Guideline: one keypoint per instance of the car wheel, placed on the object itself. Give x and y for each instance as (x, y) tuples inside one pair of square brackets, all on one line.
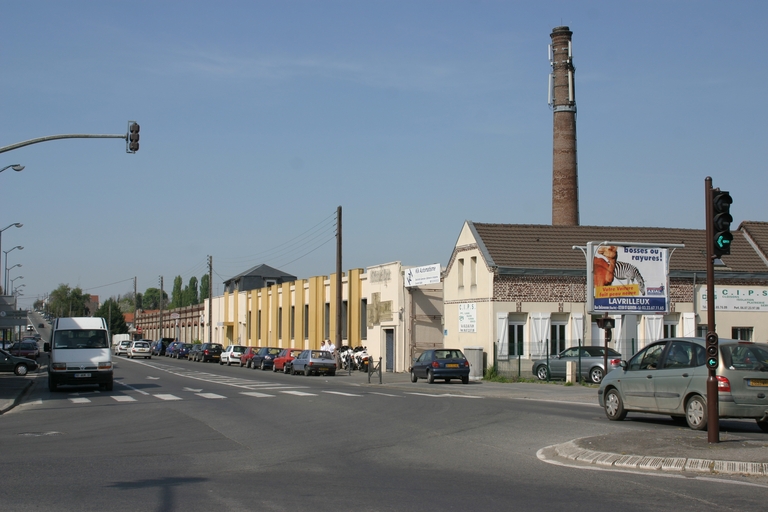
[(307, 373), (109, 386), (763, 425), (286, 369), (614, 407), (274, 368), (696, 413), (596, 375), (221, 362), (21, 369), (262, 367), (447, 381), (229, 363), (465, 380), (414, 378), (430, 377), (51, 384), (542, 373)]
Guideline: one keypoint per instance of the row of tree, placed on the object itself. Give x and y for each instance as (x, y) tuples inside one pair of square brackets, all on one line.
[(66, 301)]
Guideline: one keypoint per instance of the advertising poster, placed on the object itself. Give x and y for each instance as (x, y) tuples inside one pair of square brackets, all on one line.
[(736, 298), (468, 317), (630, 280)]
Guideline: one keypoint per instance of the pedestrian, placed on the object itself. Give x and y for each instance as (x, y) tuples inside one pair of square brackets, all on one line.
[(331, 347), (325, 346)]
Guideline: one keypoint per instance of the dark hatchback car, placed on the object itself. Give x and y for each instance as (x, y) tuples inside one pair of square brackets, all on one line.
[(441, 363), (194, 352), (18, 365), (182, 351), (28, 349), (264, 358), (210, 352)]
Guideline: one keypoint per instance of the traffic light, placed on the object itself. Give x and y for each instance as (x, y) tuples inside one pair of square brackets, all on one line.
[(712, 351), (608, 324), (132, 141), (721, 222)]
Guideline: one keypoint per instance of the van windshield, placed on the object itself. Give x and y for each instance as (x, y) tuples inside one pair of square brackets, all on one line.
[(80, 338)]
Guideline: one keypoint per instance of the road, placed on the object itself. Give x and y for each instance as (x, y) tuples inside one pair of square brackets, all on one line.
[(178, 435)]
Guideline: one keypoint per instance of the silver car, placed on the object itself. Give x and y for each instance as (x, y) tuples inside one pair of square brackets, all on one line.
[(314, 361), (670, 377), (122, 348), (139, 348), (592, 363)]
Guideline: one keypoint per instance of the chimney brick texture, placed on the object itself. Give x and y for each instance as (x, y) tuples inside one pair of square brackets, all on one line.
[(565, 178)]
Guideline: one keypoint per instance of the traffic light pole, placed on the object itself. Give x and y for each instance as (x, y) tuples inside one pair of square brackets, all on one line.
[(713, 414)]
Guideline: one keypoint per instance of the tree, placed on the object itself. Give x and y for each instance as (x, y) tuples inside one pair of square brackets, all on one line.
[(204, 286), (151, 299), (114, 316), (66, 301), (176, 298), (126, 303), (190, 293)]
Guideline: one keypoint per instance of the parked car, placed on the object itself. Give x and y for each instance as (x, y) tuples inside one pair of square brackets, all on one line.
[(592, 363), (40, 326), (210, 352), (247, 356), (158, 347), (441, 363), (194, 352), (314, 361), (18, 365), (28, 349), (265, 357), (173, 348), (183, 350), (139, 348), (121, 349), (670, 377), (231, 354), (281, 363)]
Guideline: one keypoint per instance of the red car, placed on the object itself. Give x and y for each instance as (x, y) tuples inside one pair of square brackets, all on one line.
[(245, 358), (286, 356), (28, 349)]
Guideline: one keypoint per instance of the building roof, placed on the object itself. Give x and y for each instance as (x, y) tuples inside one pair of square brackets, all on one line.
[(757, 234), (534, 246), (261, 270)]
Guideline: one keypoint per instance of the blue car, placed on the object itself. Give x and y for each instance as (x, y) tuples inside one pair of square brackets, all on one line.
[(264, 358), (179, 350), (441, 363)]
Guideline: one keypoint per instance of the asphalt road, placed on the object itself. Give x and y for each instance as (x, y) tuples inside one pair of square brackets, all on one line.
[(177, 435)]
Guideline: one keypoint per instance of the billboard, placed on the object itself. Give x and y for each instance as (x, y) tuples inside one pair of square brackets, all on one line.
[(418, 276), (627, 278)]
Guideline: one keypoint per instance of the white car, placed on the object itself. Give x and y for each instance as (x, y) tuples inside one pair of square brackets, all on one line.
[(122, 348), (231, 355), (139, 348)]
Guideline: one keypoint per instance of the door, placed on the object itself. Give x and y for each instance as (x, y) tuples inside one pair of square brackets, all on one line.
[(389, 341), (556, 339), (672, 380), (637, 381), (558, 365)]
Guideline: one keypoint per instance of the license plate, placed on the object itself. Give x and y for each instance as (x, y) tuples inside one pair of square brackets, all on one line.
[(82, 375), (451, 365), (762, 383)]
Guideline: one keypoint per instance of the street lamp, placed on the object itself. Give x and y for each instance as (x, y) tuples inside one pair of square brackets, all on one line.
[(5, 278), (15, 167), (15, 278), (18, 225)]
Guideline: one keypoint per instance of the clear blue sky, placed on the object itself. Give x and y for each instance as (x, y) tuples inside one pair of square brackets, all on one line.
[(258, 119)]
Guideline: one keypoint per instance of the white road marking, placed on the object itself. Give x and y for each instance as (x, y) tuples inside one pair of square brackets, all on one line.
[(167, 397), (123, 398), (340, 393), (210, 395), (193, 390), (298, 393), (444, 395), (386, 394), (79, 400), (257, 395), (132, 388)]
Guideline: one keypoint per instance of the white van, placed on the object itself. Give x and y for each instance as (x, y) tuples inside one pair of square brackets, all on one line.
[(79, 353)]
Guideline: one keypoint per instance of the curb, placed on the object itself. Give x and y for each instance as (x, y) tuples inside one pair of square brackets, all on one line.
[(572, 451), (18, 398)]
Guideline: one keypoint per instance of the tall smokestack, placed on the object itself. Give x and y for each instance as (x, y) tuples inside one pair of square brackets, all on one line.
[(562, 99)]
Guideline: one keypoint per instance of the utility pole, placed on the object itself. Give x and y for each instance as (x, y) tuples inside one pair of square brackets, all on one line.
[(338, 285), (161, 308), (210, 299)]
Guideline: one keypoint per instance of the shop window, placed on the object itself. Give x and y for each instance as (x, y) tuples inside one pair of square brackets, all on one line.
[(741, 333)]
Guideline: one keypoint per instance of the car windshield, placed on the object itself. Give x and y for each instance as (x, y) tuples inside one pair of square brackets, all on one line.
[(80, 338), (599, 351), (140, 345), (125, 343), (215, 345), (28, 346), (449, 354), (746, 357), (321, 354), (273, 351)]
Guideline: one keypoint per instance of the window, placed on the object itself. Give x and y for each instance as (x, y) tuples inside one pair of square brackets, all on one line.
[(364, 319), (473, 271), (293, 321), (344, 320), (680, 355), (556, 339), (516, 340), (701, 331), (327, 322), (670, 330), (460, 270), (258, 325), (648, 358), (280, 323), (306, 321), (741, 333)]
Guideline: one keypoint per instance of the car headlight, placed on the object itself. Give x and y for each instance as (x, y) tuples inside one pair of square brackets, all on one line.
[(105, 365), (59, 366)]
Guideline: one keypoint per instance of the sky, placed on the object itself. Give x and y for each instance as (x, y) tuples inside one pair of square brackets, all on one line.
[(259, 118)]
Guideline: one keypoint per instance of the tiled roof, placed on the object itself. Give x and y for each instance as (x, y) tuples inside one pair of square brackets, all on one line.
[(530, 246), (758, 233), (260, 270)]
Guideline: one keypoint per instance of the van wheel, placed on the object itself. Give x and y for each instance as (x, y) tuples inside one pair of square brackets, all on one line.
[(763, 425), (51, 384)]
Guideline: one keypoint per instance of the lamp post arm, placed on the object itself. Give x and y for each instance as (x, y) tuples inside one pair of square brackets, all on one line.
[(64, 136)]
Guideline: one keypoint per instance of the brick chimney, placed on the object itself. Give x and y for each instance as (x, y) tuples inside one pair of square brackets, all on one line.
[(562, 99)]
